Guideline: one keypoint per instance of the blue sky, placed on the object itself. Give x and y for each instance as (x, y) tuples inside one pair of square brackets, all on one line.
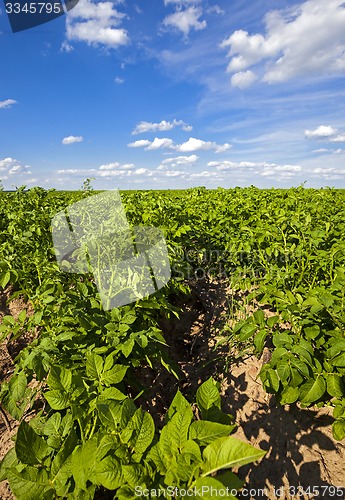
[(176, 93)]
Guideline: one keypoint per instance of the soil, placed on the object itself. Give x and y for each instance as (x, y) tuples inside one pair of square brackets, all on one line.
[(301, 452)]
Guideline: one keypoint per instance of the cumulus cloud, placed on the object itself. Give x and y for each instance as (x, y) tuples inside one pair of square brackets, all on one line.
[(185, 20), (189, 146), (11, 167), (338, 138), (116, 165), (181, 2), (105, 171), (139, 144), (160, 143), (259, 168), (179, 160), (194, 144), (307, 39), (66, 47), (243, 79), (329, 173), (71, 139), (119, 80), (7, 103), (143, 127), (96, 23), (321, 132)]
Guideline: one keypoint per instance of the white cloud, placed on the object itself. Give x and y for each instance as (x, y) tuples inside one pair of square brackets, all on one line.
[(339, 151), (329, 173), (143, 171), (321, 150), (307, 39), (321, 132), (96, 23), (189, 146), (182, 2), (194, 144), (139, 144), (338, 138), (6, 163), (66, 47), (243, 79), (77, 171), (185, 20), (71, 139), (11, 166), (116, 165), (160, 143), (7, 103), (259, 168), (119, 80), (143, 127), (180, 160)]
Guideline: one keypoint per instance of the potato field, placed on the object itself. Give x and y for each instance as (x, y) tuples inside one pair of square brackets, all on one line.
[(227, 382)]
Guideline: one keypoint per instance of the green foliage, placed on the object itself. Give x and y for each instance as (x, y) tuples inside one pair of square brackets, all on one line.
[(281, 250), (87, 441)]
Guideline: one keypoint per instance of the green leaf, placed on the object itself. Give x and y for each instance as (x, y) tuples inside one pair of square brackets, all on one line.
[(259, 340), (65, 452), (115, 415), (133, 474), (83, 462), (282, 339), (30, 448), (178, 403), (115, 375), (227, 452), (144, 429), (108, 473), (312, 331), (30, 484), (284, 370), (207, 396), (301, 367), (112, 393), (9, 460), (127, 347), (60, 378), (336, 349), (247, 331), (270, 379), (205, 432), (335, 385), (178, 428), (5, 279), (210, 488), (312, 390), (289, 395), (57, 400), (17, 386), (94, 365), (338, 429)]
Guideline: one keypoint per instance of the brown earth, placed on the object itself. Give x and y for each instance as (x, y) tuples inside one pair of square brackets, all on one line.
[(301, 452)]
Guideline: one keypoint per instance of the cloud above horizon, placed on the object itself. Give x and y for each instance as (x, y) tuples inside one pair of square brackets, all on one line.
[(71, 139), (96, 23), (281, 52), (189, 146), (164, 125), (7, 103)]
